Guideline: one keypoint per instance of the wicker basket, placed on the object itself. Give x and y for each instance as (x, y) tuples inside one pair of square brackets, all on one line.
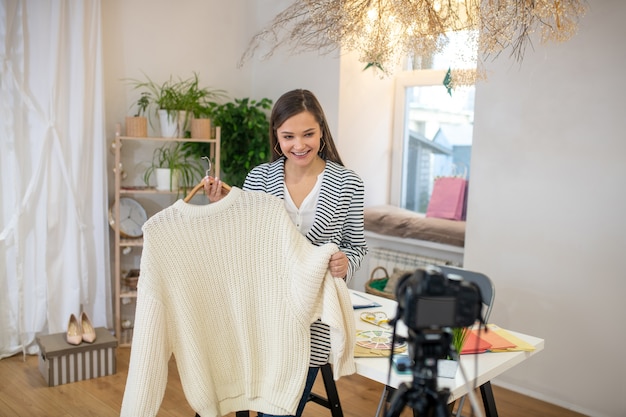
[(376, 285), (131, 279), (137, 126), (201, 128)]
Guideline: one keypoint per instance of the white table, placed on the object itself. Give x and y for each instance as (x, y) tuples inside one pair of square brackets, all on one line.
[(479, 369)]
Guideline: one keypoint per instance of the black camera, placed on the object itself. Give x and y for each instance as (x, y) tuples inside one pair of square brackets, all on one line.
[(430, 304), (427, 299)]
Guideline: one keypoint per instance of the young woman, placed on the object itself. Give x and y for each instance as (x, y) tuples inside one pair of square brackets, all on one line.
[(323, 198)]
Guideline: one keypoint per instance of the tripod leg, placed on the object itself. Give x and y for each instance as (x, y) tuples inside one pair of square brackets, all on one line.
[(461, 402), (398, 401), (383, 398)]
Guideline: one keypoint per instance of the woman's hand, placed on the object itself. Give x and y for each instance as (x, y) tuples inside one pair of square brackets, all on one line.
[(213, 189), (338, 265)]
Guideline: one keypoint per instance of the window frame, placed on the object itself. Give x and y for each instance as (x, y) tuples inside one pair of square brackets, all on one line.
[(404, 80)]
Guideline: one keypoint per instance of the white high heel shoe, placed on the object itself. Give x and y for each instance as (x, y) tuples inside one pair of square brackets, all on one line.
[(74, 331), (89, 333)]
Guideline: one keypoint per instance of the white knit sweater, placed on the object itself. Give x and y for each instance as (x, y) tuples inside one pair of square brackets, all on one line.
[(231, 289)]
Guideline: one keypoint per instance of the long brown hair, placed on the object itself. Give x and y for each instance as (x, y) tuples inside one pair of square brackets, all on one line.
[(295, 102)]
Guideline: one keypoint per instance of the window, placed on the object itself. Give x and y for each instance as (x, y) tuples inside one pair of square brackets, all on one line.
[(432, 134)]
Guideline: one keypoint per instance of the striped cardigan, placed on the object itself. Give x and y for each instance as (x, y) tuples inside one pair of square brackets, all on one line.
[(338, 220)]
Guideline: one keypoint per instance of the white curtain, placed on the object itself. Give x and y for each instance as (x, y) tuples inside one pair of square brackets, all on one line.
[(54, 250)]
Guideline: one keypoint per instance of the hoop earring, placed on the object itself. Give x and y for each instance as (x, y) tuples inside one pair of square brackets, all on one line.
[(323, 146), (278, 151)]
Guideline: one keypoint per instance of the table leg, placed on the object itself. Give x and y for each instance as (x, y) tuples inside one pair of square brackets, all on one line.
[(488, 400)]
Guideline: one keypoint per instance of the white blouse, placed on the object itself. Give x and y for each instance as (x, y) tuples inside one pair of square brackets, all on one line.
[(304, 216)]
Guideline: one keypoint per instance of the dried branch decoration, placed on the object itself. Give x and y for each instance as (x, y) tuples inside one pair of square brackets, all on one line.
[(383, 31)]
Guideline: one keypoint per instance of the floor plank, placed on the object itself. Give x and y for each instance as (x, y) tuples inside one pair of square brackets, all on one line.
[(23, 392)]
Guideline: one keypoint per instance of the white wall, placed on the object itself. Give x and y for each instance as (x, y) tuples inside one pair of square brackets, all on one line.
[(546, 210), (545, 217), (546, 204), (284, 72), (365, 126), (162, 38)]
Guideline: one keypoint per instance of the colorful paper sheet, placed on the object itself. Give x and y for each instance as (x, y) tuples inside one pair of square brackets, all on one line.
[(519, 344), (475, 344), (493, 339)]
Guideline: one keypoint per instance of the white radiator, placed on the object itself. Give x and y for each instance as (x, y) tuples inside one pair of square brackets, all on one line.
[(390, 259), (392, 252)]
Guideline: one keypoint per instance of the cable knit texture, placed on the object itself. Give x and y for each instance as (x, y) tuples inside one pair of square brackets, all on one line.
[(231, 289)]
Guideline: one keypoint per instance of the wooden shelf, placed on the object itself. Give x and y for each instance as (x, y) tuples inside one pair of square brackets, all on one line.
[(152, 190), (122, 291), (157, 139), (128, 294), (131, 242)]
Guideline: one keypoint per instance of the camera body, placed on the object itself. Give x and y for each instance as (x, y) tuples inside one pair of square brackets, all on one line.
[(428, 299), (430, 303)]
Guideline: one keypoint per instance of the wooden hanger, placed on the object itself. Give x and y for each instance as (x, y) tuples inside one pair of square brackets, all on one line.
[(225, 187), (200, 185)]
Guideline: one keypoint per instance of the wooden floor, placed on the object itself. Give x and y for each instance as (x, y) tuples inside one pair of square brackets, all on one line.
[(23, 392)]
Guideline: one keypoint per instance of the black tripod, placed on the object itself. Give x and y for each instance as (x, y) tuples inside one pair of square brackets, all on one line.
[(425, 348)]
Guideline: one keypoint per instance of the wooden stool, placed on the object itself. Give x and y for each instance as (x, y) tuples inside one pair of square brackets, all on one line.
[(332, 396)]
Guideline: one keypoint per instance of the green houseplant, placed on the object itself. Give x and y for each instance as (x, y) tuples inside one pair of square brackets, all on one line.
[(459, 335), (164, 100), (184, 169), (142, 104), (244, 137), (175, 100)]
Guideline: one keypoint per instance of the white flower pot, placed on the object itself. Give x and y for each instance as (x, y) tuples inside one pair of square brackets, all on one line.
[(166, 180), (446, 368), (169, 123), (183, 121)]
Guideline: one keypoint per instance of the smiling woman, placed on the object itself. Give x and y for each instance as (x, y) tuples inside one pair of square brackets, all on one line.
[(323, 198)]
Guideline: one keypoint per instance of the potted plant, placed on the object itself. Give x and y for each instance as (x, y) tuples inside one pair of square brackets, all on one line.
[(164, 99), (244, 137), (137, 125), (195, 102), (201, 103), (201, 121), (175, 100), (174, 168)]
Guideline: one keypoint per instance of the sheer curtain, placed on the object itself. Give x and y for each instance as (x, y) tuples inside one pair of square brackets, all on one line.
[(54, 250)]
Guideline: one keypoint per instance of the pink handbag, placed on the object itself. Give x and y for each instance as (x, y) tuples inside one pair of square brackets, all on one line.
[(449, 198)]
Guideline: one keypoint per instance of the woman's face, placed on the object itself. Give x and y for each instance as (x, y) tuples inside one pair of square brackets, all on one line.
[(299, 138)]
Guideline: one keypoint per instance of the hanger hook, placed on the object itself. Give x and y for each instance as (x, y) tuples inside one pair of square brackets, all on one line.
[(208, 162)]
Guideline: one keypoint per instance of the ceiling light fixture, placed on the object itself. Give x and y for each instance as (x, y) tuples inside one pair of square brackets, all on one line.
[(383, 32)]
